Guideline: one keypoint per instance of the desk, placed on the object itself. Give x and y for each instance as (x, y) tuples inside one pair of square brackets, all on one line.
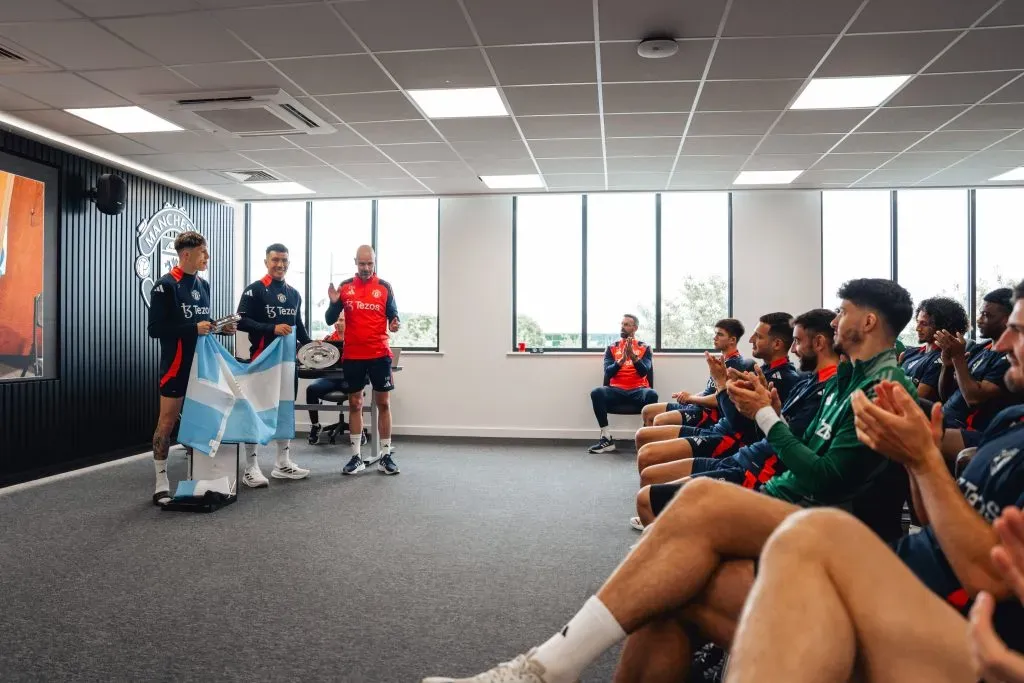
[(368, 406)]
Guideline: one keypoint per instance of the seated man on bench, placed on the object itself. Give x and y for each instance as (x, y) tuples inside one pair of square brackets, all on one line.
[(628, 369), (325, 385)]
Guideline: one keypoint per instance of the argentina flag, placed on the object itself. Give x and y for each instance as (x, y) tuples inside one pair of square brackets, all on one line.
[(232, 402)]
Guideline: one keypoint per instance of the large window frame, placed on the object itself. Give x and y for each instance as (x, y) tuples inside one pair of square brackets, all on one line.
[(307, 300), (658, 298)]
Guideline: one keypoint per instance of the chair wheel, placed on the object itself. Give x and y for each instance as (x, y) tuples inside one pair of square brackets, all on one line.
[(331, 440)]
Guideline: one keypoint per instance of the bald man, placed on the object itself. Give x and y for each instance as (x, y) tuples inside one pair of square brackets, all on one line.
[(370, 312)]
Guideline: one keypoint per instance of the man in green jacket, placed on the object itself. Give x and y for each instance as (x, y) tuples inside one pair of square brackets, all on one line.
[(689, 575)]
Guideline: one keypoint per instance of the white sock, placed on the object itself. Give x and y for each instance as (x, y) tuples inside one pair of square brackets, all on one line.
[(356, 440), (250, 456), (161, 476), (585, 638), (282, 452), (385, 446), (606, 433)]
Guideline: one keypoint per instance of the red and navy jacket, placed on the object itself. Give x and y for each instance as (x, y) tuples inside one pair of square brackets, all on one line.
[(369, 307), (176, 303), (629, 375), (265, 304)]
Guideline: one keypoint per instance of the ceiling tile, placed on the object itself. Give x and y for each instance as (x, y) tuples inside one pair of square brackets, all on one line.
[(178, 141), (424, 24), (14, 101), (73, 45), (1007, 14), (224, 4), (299, 31), (644, 125), (748, 95), (732, 123), (422, 151), (398, 186), (343, 136), (502, 166), (637, 181), (381, 106), (571, 165), (204, 39), (661, 164), (990, 117), (1014, 142), (816, 177), (544, 64), (201, 177), (959, 175), (61, 122), (336, 75), (532, 21), (865, 162), (374, 171), (888, 176), (455, 185), (629, 98), (621, 63), (139, 85), (928, 161), (732, 162), (788, 17), (960, 141), (493, 150), (767, 57), (574, 180), (720, 144), (837, 121), (98, 9), (701, 179), (38, 10), (884, 54), (478, 130), (780, 162), (302, 174), (553, 149), (395, 132), (115, 144), (984, 50), (553, 99), (554, 127), (166, 162), (61, 90), (281, 157), (919, 15), (641, 147), (634, 21), (235, 76), (1013, 92), (439, 169), (995, 159), (218, 161), (798, 144), (457, 68), (965, 88), (900, 119)]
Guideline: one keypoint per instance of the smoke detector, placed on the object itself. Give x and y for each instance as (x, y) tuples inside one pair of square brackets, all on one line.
[(657, 48)]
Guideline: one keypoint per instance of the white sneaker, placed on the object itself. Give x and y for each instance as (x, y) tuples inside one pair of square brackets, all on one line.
[(254, 479), (289, 470), (636, 523), (522, 669)]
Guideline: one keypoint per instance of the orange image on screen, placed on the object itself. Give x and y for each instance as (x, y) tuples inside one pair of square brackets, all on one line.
[(21, 275)]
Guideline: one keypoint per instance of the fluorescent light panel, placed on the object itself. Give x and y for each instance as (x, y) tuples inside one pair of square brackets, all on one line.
[(1015, 174), (279, 188), (848, 93), (766, 177), (510, 182), (125, 119), (454, 103)]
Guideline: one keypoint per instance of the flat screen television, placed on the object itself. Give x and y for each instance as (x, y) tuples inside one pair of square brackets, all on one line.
[(29, 230)]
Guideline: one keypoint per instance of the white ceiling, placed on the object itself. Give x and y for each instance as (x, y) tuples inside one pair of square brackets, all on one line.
[(588, 113)]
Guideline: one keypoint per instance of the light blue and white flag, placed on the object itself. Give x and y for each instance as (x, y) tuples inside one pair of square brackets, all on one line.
[(232, 402)]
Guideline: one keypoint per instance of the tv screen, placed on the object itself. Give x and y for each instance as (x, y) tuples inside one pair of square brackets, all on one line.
[(28, 227)]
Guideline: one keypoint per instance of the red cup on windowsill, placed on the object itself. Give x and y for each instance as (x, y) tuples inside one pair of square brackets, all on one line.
[(522, 347)]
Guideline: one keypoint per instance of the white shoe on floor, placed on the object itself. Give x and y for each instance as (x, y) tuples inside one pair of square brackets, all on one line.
[(289, 470), (522, 669), (636, 523), (254, 479)]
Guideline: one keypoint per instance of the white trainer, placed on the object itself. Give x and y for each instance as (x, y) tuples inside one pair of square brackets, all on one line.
[(254, 479), (289, 470), (522, 669)]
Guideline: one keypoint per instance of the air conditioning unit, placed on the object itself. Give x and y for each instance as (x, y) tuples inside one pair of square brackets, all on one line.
[(247, 113)]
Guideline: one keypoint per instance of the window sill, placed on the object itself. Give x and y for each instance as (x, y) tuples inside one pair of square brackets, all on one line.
[(410, 352), (562, 354)]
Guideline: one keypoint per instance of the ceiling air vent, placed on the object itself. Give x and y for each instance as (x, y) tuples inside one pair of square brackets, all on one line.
[(258, 176), (248, 113), (14, 61)]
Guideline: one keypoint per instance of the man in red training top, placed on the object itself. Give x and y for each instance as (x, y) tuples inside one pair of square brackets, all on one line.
[(627, 381)]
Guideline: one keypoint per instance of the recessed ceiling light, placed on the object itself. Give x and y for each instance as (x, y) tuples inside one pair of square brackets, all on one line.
[(1015, 174), (848, 93), (279, 188), (766, 177), (125, 119), (509, 182), (452, 103)]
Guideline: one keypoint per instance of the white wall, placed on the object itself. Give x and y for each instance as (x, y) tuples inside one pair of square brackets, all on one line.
[(476, 387)]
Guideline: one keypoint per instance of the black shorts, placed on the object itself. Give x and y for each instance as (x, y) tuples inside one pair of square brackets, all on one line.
[(662, 495), (174, 377), (375, 370), (723, 469), (715, 446)]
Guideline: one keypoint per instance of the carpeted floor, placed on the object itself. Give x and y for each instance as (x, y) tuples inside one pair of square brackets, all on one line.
[(473, 554)]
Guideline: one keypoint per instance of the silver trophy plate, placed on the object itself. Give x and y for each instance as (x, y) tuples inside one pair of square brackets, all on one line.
[(220, 323), (318, 355)]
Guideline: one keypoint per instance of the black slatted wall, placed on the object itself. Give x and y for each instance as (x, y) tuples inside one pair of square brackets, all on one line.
[(105, 401)]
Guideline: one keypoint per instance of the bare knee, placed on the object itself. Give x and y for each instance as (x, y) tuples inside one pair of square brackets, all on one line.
[(643, 505), (662, 419), (644, 457), (383, 403), (355, 402), (810, 533), (700, 493), (647, 476)]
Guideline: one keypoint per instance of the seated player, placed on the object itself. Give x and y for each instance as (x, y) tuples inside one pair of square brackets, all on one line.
[(922, 363), (319, 388), (689, 575), (770, 342), (628, 367), (753, 465), (900, 613), (696, 410), (971, 383)]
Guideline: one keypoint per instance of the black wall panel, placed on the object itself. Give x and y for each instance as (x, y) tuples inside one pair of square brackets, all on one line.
[(104, 402)]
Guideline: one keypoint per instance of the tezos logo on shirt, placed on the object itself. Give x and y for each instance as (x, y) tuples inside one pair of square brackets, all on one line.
[(190, 311), (274, 311)]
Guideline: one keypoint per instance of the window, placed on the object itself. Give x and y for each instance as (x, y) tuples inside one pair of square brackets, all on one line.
[(407, 243), (856, 238), (284, 222), (932, 230), (549, 270), (339, 229), (999, 239), (694, 267)]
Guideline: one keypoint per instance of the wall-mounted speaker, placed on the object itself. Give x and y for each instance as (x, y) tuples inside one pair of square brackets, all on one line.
[(109, 194)]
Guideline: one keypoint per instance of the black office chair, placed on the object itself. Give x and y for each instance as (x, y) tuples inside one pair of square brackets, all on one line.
[(650, 380), (341, 426)]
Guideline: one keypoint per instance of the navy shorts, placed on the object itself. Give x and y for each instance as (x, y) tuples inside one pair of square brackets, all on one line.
[(174, 377), (714, 446), (723, 469), (376, 371)]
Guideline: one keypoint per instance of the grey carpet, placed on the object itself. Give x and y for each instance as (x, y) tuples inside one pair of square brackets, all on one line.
[(472, 555)]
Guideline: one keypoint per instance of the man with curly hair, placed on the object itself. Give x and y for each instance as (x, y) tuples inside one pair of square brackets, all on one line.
[(923, 364)]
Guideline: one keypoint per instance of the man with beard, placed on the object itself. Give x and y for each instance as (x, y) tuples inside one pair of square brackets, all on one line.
[(923, 364), (628, 366), (691, 571)]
